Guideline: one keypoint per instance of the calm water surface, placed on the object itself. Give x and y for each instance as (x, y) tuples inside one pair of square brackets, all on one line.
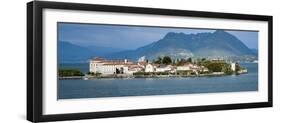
[(71, 89)]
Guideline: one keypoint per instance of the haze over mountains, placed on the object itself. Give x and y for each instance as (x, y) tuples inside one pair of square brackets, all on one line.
[(69, 52), (175, 45)]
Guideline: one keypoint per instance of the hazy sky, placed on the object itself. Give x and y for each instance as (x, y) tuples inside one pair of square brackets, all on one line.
[(131, 37)]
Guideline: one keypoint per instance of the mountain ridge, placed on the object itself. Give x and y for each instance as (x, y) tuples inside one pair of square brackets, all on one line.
[(181, 45), (175, 45), (70, 52)]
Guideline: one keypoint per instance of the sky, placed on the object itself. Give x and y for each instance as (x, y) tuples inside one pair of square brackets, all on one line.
[(132, 37)]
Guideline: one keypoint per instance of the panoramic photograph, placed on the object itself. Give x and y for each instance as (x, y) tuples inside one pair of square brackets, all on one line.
[(105, 60)]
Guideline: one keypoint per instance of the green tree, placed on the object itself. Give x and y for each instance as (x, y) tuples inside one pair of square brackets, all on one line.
[(158, 61), (181, 62), (201, 61), (166, 60), (227, 69), (94, 74), (214, 66), (237, 68), (70, 72), (189, 60)]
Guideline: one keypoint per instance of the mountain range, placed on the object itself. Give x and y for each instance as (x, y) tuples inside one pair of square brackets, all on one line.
[(180, 45), (69, 52), (175, 45)]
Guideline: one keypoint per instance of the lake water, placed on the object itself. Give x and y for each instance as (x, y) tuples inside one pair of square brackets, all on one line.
[(73, 89)]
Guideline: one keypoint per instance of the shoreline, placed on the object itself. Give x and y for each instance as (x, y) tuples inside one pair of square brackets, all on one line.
[(144, 76)]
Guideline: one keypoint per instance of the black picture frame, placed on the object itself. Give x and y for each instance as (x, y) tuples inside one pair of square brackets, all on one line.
[(35, 69)]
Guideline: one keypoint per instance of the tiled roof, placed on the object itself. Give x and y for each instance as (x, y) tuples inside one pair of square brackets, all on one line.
[(98, 59)]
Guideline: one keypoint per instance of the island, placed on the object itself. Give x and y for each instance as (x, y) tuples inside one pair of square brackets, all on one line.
[(157, 68)]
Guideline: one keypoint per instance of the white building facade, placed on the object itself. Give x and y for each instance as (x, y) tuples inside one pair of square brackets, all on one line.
[(99, 65), (163, 68), (233, 66), (185, 67), (149, 68)]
